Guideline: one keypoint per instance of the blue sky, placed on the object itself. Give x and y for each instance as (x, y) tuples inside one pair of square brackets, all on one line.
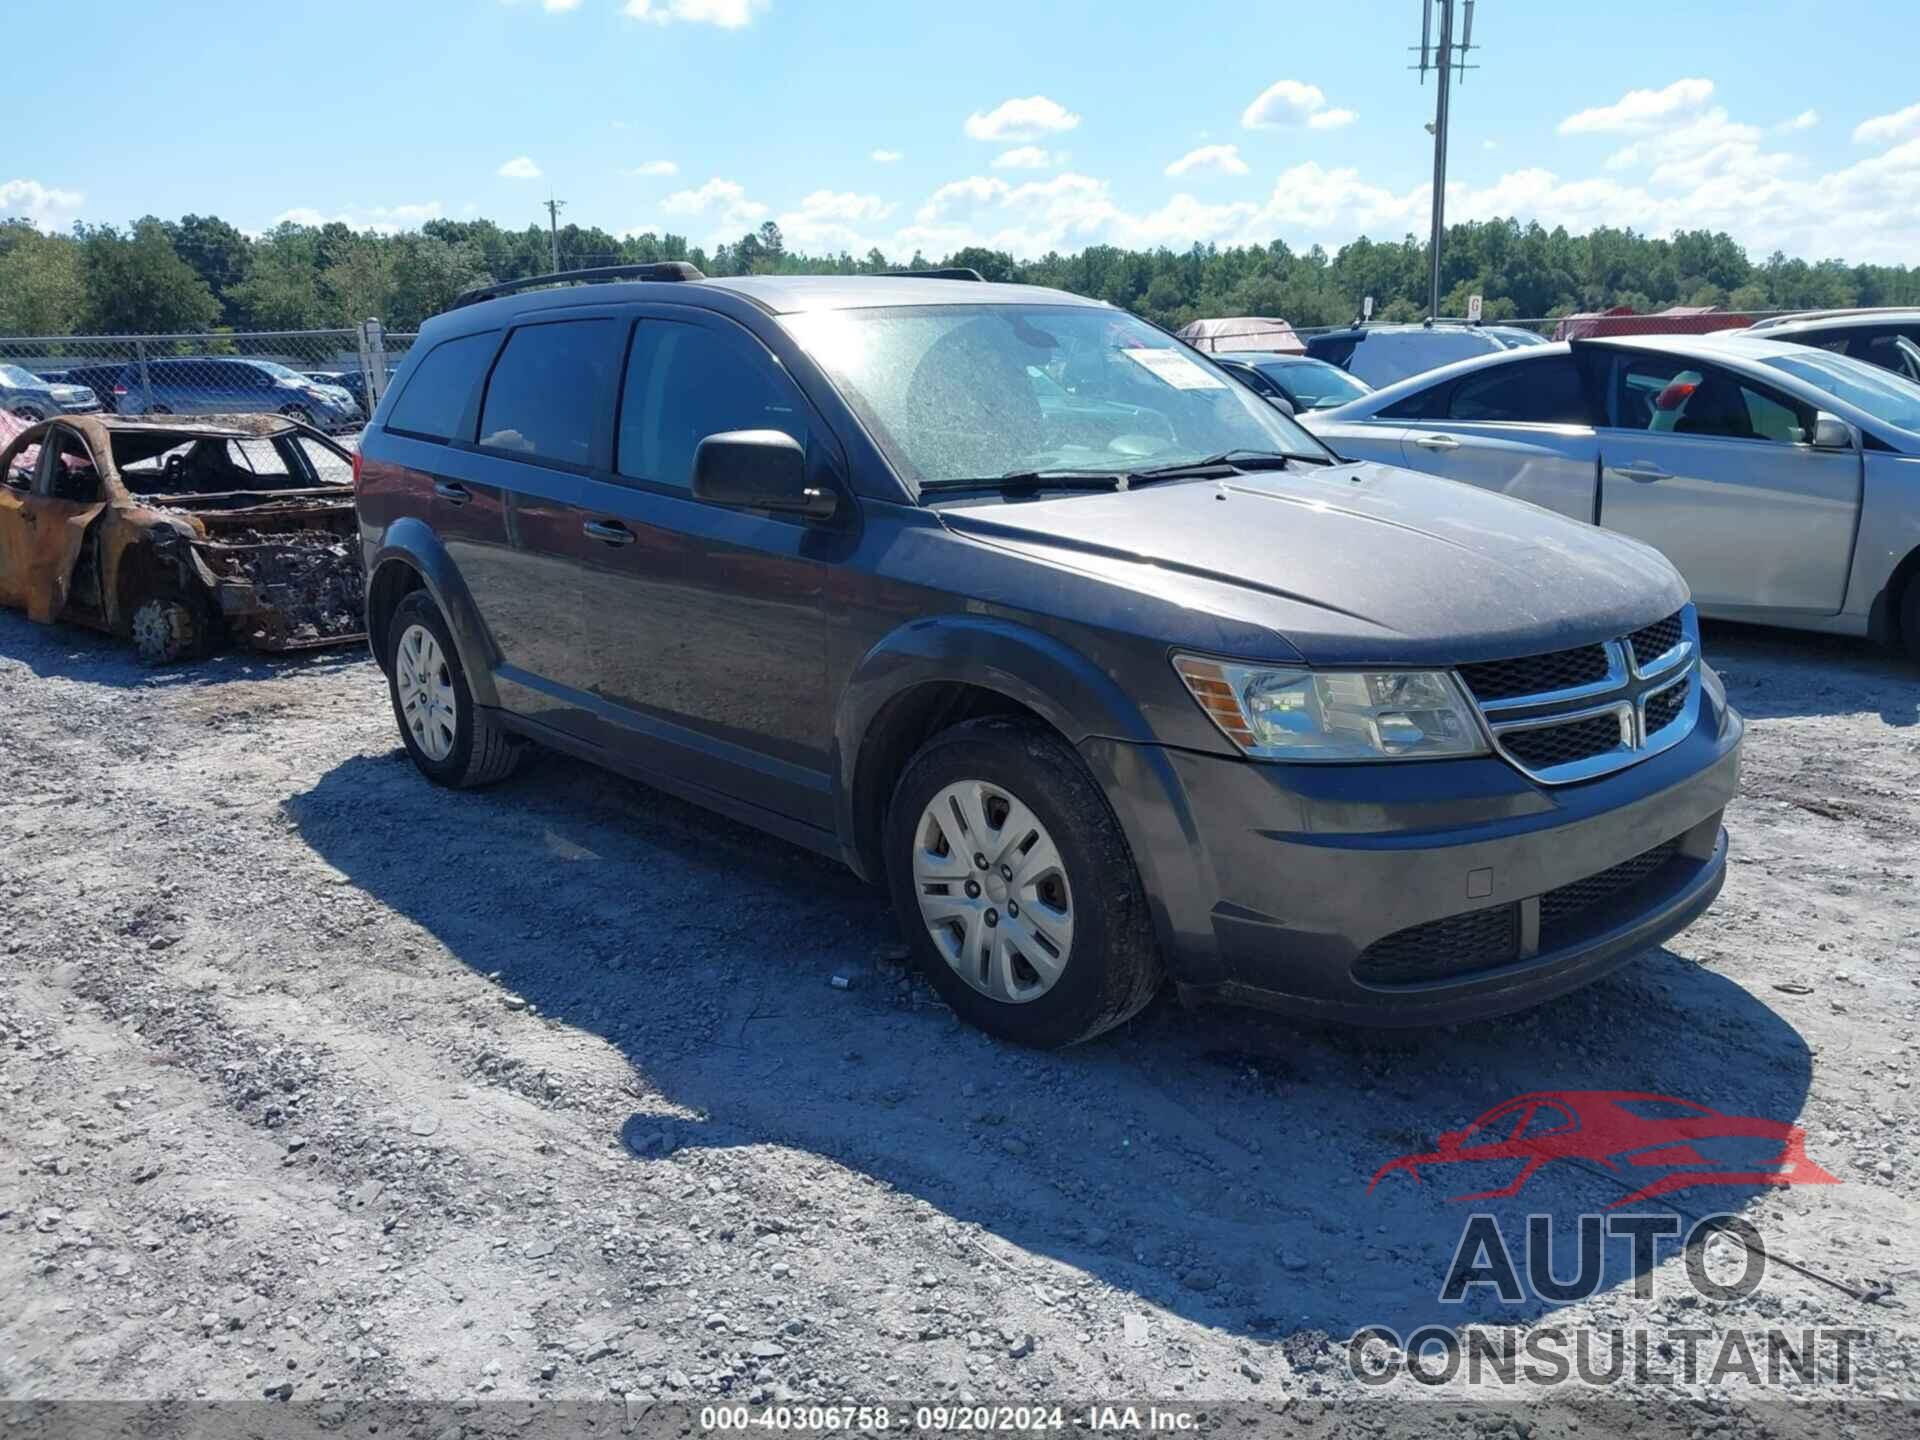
[(1027, 126)]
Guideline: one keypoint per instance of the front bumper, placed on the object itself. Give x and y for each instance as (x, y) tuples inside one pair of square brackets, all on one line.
[(1286, 886)]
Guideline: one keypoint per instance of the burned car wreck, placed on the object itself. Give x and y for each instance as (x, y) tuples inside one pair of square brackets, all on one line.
[(179, 534)]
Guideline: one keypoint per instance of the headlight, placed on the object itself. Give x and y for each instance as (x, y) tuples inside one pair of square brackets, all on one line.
[(1334, 714)]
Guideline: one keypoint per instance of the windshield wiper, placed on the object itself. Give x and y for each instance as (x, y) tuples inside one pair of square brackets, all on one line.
[(1227, 462), (1034, 480)]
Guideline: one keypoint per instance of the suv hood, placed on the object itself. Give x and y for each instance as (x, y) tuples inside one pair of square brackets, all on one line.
[(1352, 564)]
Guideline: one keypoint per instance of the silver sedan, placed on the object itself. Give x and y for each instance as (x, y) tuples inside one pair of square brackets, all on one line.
[(1782, 481)]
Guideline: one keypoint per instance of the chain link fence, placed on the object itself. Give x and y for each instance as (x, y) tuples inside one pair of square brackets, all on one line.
[(331, 379)]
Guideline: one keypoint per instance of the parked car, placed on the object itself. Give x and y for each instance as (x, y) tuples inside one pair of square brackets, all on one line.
[(205, 385), (1301, 381), (1779, 479), (1150, 685), (354, 382), (1382, 354), (28, 397), (100, 379), (1887, 338), (178, 534)]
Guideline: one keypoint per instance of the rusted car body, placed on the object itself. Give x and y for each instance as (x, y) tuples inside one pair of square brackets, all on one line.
[(180, 533)]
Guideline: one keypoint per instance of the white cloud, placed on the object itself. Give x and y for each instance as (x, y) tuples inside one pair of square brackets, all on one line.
[(1025, 157), (552, 7), (1639, 110), (1805, 120), (1289, 103), (655, 167), (1027, 119), (381, 219), (726, 14), (887, 157), (724, 200), (830, 220), (1224, 158), (1885, 129), (46, 206), (519, 168), (979, 189)]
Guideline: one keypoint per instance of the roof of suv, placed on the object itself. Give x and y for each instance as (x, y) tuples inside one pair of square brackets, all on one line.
[(784, 294)]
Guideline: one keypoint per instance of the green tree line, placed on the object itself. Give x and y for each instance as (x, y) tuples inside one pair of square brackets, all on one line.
[(200, 273)]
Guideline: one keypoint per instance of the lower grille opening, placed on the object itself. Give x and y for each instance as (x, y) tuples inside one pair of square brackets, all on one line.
[(1458, 945), (1455, 945)]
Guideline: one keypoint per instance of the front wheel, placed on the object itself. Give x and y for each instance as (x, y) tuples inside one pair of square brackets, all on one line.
[(453, 741), (298, 414), (1910, 618), (169, 627), (1016, 888), (27, 413)]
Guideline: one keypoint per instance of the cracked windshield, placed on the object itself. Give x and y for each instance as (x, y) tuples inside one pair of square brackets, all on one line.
[(978, 393)]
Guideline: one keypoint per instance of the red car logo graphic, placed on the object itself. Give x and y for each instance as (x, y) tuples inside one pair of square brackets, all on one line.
[(1625, 1131)]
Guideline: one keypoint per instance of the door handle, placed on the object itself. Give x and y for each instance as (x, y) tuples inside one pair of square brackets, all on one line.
[(1437, 442), (608, 532), (452, 492), (1644, 471)]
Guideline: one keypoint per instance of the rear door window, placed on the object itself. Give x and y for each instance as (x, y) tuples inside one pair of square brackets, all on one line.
[(551, 390), (439, 395), (1382, 359), (1547, 391), (686, 382)]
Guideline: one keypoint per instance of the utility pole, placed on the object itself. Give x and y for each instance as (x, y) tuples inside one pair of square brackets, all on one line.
[(1445, 58), (554, 207)]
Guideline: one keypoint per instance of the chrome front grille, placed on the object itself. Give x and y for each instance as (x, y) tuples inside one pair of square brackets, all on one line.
[(1575, 714)]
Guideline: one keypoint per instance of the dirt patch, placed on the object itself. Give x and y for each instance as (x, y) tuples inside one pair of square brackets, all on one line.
[(318, 1076)]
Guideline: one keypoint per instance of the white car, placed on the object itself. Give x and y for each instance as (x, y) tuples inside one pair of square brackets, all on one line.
[(1783, 481)]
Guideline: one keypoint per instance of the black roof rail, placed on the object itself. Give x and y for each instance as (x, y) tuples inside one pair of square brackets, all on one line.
[(663, 270), (951, 272)]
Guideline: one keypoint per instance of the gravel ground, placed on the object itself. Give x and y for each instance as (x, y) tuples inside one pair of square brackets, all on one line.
[(318, 1081)]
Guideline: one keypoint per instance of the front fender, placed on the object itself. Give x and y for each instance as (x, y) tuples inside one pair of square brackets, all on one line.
[(412, 543), (1033, 669)]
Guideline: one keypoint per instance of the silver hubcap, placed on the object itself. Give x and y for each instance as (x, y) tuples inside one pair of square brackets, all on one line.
[(426, 692), (993, 891)]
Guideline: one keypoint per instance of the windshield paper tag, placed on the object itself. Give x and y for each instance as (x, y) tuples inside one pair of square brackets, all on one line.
[(1176, 369)]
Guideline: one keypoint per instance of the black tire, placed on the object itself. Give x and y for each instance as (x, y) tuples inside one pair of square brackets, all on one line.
[(170, 626), (1113, 967), (483, 752), (27, 413), (1910, 617), (299, 414), (159, 410)]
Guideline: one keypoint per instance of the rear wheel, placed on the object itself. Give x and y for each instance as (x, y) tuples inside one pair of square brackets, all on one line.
[(1015, 887), (453, 741)]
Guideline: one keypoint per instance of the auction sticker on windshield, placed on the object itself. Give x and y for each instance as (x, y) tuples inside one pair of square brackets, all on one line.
[(1174, 368)]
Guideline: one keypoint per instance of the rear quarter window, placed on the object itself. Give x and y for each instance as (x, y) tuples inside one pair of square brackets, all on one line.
[(435, 402)]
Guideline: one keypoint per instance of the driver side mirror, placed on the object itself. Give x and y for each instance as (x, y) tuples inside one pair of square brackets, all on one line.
[(758, 470), (1830, 432)]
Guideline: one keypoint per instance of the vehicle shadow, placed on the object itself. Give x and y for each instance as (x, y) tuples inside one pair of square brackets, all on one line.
[(70, 652), (1214, 1164), (1772, 673)]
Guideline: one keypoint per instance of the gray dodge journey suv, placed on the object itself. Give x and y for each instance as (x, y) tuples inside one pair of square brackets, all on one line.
[(1108, 670)]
